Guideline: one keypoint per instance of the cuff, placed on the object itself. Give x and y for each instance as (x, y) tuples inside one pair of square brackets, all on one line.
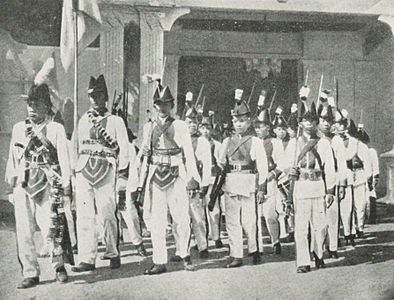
[(331, 191)]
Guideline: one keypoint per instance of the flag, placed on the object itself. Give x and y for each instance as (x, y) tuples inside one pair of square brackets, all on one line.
[(89, 27)]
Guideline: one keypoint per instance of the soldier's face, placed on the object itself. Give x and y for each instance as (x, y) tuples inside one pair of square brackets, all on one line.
[(163, 109), (262, 131), (36, 110), (308, 126), (204, 131), (292, 133), (192, 124), (280, 132), (241, 124), (97, 100), (324, 125)]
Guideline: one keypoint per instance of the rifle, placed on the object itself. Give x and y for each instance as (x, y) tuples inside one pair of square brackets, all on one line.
[(144, 172), (216, 191)]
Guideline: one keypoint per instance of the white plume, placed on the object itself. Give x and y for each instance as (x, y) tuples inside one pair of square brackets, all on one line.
[(43, 75), (279, 110), (331, 101), (211, 113), (304, 92), (294, 108), (344, 113), (261, 100), (189, 96), (149, 78)]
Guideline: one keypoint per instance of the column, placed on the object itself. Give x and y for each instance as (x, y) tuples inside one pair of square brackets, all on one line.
[(111, 56), (153, 23), (171, 76)]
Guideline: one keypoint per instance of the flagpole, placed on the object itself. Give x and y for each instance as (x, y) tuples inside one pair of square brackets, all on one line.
[(75, 15)]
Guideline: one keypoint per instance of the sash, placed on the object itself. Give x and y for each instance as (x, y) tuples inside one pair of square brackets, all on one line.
[(95, 169), (164, 174), (37, 183), (198, 162), (242, 151), (310, 146)]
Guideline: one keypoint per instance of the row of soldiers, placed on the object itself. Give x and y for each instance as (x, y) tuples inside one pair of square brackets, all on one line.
[(302, 175)]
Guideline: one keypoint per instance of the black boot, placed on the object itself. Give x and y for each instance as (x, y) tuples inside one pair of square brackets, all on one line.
[(187, 263), (61, 275), (277, 248), (155, 270), (141, 250), (303, 269), (28, 282), (204, 254), (360, 234), (332, 254), (256, 258), (319, 262), (218, 244), (349, 239), (83, 267), (234, 263), (176, 258), (115, 263)]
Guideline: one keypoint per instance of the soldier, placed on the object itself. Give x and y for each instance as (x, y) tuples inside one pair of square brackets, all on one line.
[(244, 157), (38, 169), (102, 154), (202, 153), (206, 129), (280, 148), (313, 173), (326, 119), (374, 161), (358, 171), (128, 206), (270, 208), (172, 172)]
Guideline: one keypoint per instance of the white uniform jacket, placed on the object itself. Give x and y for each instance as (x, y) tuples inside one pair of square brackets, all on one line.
[(16, 160), (315, 189), (355, 147), (116, 129), (245, 184), (203, 154)]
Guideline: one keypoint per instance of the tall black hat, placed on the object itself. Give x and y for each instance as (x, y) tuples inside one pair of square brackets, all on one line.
[(39, 93), (208, 120), (162, 95), (362, 135), (263, 117), (192, 113), (311, 114), (98, 86), (241, 108), (325, 112)]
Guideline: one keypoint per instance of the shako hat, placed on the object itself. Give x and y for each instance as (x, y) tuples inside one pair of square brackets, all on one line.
[(39, 93), (98, 85), (279, 120)]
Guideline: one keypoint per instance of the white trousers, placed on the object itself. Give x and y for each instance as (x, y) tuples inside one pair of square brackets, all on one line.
[(132, 220), (97, 199), (241, 213), (309, 211), (360, 205), (199, 224), (27, 213), (271, 215), (213, 217), (174, 199), (346, 210), (332, 215)]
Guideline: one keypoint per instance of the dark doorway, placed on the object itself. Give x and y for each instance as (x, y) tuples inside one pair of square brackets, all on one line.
[(222, 75)]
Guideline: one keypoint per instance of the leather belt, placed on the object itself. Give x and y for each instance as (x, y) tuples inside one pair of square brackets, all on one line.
[(312, 175), (240, 168), (166, 160), (168, 152), (101, 153), (357, 169)]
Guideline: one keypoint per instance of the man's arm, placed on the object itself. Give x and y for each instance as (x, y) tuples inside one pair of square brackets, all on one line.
[(203, 154), (326, 154), (123, 142)]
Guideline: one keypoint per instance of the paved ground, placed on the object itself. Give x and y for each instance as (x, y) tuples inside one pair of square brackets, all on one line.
[(363, 272)]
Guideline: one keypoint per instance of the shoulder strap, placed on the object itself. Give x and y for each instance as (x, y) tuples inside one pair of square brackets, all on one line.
[(163, 130), (308, 147), (242, 142)]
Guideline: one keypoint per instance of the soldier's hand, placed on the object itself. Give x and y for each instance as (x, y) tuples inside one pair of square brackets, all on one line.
[(375, 180), (271, 176), (370, 184), (329, 200), (294, 173), (203, 192), (289, 210), (341, 193), (260, 197), (146, 151)]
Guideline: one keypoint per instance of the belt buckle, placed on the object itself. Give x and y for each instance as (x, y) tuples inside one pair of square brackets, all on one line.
[(237, 167), (165, 160), (312, 176)]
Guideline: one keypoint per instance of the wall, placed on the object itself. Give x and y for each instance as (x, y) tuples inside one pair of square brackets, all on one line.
[(18, 65)]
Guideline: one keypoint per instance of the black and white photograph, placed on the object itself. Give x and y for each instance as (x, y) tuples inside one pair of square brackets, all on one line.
[(197, 149)]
